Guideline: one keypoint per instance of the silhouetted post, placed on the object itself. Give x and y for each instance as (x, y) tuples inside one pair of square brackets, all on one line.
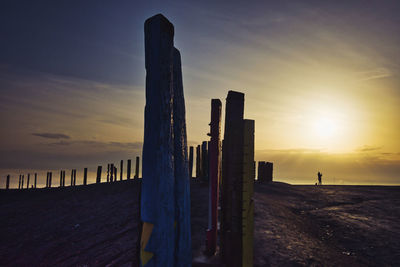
[(128, 169), (111, 172), (191, 162), (19, 182), (121, 170), (215, 172), (61, 178), (232, 174), (198, 162), (247, 195), (158, 234), (27, 181), (115, 174), (108, 173), (183, 251), (47, 179), (204, 161), (72, 177), (98, 177), (22, 182), (85, 176), (50, 178), (35, 179), (137, 167), (8, 182)]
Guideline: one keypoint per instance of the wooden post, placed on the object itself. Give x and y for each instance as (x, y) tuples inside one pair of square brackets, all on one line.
[(158, 201), (108, 172), (61, 178), (85, 176), (8, 182), (137, 168), (22, 182), (247, 195), (198, 162), (35, 179), (232, 176), (214, 173), (191, 162), (204, 161), (19, 182), (27, 181), (111, 172), (72, 177), (50, 177), (115, 174), (98, 177), (128, 169), (121, 170)]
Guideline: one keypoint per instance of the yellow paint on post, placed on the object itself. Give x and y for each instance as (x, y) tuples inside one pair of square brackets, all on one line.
[(145, 256), (247, 194)]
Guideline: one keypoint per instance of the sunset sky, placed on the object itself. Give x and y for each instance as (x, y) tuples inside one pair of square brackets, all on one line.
[(321, 80)]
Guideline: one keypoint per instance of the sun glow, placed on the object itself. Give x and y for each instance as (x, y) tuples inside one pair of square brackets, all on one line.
[(325, 127)]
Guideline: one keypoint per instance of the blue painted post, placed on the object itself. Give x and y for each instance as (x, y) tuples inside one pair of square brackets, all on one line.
[(183, 251), (157, 197)]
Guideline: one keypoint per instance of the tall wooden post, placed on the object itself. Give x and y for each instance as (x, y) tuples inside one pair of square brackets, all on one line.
[(27, 181), (35, 180), (108, 172), (232, 171), (22, 182), (72, 177), (61, 178), (8, 182), (98, 177), (204, 161), (19, 182), (247, 195), (115, 174), (121, 170), (128, 169), (85, 176), (158, 234), (198, 162), (50, 178), (111, 172), (214, 173), (183, 249), (137, 167), (191, 162)]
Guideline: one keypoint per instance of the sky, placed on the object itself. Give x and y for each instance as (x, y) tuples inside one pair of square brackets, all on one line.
[(321, 80)]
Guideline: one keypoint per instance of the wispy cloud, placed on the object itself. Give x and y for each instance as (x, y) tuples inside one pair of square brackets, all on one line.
[(367, 148), (52, 135)]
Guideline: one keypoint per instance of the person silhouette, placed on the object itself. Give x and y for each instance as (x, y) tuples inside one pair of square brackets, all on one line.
[(319, 178)]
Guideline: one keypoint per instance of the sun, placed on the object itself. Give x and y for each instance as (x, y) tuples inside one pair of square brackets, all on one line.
[(325, 127)]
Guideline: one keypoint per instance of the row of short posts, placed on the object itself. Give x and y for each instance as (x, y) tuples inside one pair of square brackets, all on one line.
[(111, 176)]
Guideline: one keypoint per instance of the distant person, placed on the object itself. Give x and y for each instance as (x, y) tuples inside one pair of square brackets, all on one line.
[(319, 178)]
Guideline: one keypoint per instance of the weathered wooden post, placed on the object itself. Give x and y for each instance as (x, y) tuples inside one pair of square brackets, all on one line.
[(85, 176), (72, 177), (204, 161), (183, 249), (61, 178), (214, 173), (27, 181), (121, 170), (35, 179), (191, 162), (8, 182), (137, 168), (111, 172), (128, 169), (115, 174), (98, 177), (19, 182), (50, 178), (232, 171), (158, 232), (247, 195), (198, 162), (22, 182), (108, 173)]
